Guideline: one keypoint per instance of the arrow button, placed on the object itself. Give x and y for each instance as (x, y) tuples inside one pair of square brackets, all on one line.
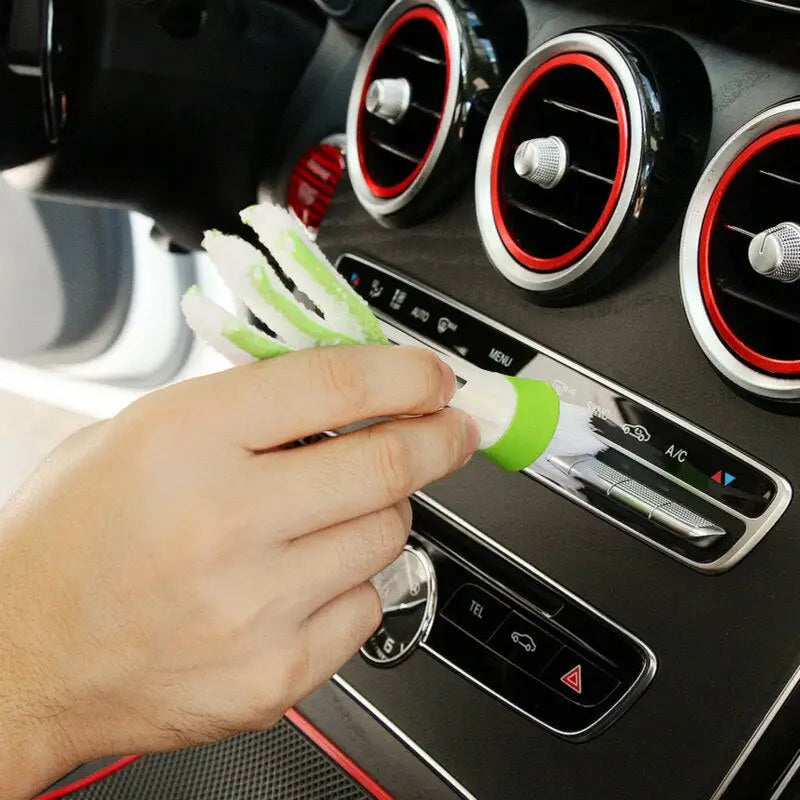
[(725, 478)]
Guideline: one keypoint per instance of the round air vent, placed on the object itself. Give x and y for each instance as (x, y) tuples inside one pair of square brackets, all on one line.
[(740, 256), (592, 145), (421, 75)]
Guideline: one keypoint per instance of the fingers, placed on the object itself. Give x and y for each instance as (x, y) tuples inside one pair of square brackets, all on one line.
[(267, 404), (333, 635), (359, 473), (339, 558)]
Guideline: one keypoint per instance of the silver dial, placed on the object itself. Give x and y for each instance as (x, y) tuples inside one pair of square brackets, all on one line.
[(542, 161), (389, 99), (407, 589), (775, 253)]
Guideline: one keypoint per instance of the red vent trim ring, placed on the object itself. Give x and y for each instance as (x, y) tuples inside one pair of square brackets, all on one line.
[(710, 220), (502, 152), (429, 15)]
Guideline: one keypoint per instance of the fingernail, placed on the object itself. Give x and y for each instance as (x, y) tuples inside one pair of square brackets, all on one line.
[(449, 383), (473, 434)]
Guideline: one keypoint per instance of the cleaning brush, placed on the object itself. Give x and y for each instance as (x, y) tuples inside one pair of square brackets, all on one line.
[(522, 421)]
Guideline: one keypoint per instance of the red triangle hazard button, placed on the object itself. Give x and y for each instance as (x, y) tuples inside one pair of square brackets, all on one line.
[(573, 679)]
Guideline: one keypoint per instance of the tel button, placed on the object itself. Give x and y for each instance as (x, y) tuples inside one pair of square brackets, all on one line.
[(572, 676), (524, 644), (475, 611)]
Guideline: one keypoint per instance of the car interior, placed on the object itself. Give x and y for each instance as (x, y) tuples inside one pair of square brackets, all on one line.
[(600, 194)]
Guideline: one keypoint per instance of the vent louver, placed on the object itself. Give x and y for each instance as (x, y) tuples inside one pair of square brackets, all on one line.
[(750, 249), (740, 257), (575, 100), (423, 68), (592, 145), (403, 101)]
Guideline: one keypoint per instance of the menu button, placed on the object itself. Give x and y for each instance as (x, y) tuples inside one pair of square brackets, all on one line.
[(497, 355)]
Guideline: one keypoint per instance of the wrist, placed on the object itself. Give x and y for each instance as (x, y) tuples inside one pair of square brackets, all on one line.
[(36, 745), (34, 748)]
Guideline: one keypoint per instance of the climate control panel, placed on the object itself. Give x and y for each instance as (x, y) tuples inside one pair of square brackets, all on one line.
[(661, 478)]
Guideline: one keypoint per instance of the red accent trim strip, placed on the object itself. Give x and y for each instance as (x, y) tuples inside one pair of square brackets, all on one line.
[(294, 716), (501, 154), (82, 783), (333, 752), (428, 14), (755, 359)]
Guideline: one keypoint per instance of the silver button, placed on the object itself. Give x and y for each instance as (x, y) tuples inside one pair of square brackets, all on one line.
[(590, 471), (388, 99), (687, 525), (775, 253), (675, 518), (542, 161), (638, 497)]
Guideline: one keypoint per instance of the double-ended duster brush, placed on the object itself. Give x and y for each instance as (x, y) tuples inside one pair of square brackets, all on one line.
[(522, 421)]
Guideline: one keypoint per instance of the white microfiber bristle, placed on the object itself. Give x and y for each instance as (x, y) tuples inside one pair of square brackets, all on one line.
[(574, 436), (208, 321), (235, 261), (271, 223)]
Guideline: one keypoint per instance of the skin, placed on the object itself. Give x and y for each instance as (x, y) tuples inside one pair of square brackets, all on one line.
[(173, 576)]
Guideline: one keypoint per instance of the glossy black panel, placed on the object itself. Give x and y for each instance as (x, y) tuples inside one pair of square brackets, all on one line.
[(658, 477), (521, 638)]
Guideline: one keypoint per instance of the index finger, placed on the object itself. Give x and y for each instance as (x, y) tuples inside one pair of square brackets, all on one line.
[(267, 404)]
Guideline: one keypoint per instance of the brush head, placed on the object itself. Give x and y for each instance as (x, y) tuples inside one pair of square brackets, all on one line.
[(574, 435), (539, 424)]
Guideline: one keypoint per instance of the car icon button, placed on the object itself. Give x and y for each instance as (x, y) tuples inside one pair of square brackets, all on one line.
[(524, 644)]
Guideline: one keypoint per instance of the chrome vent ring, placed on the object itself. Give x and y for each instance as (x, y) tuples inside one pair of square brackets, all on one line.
[(421, 71), (740, 256), (572, 164)]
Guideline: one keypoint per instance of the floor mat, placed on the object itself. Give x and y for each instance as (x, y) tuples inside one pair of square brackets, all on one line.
[(278, 764)]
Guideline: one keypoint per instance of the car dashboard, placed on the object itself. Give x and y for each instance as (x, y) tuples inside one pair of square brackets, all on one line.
[(604, 196)]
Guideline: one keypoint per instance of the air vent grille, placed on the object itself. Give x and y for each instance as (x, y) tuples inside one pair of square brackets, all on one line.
[(575, 98), (413, 64), (757, 315)]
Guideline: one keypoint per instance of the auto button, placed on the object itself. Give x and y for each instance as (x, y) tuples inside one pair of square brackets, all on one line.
[(524, 644)]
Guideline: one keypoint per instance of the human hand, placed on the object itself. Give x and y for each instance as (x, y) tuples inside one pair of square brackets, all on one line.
[(173, 576)]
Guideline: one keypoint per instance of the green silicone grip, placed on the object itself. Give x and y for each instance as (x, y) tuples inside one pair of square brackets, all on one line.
[(532, 428)]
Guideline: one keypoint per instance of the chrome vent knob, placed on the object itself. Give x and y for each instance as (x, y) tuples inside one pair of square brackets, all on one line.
[(775, 253), (388, 99), (542, 161)]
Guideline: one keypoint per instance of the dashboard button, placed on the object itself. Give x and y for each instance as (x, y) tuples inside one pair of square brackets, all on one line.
[(524, 644), (572, 676), (475, 611)]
